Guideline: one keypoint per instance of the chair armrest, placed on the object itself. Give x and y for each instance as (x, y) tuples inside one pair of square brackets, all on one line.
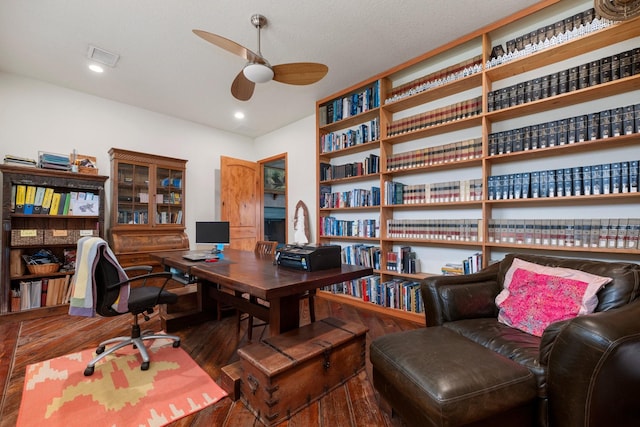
[(593, 369), (449, 298), (146, 268)]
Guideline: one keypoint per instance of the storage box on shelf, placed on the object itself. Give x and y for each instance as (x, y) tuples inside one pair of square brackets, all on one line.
[(35, 218), (516, 117)]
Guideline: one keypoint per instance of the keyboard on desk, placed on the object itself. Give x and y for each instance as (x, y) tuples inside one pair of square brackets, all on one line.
[(199, 256)]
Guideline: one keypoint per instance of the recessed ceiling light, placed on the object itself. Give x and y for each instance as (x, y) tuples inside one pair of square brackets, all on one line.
[(239, 115), (96, 68)]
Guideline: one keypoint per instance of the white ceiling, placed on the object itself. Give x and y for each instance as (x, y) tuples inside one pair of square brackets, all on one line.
[(165, 68)]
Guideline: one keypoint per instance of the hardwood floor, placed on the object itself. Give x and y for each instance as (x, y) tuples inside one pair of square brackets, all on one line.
[(212, 345)]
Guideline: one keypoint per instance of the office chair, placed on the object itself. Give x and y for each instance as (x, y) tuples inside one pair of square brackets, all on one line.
[(269, 248), (142, 300)]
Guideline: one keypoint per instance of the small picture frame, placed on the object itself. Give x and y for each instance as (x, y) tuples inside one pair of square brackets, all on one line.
[(274, 179)]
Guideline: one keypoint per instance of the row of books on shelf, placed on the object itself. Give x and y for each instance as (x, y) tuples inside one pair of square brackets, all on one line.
[(31, 199), (606, 178), (133, 217), (403, 261), (369, 165), (429, 156), (361, 254), (438, 78), (593, 73), (397, 193), (587, 127), (166, 217), (463, 230), (358, 197), (45, 292), (350, 105), (552, 34), (363, 133), (472, 264), (331, 226), (610, 233), (171, 198), (397, 293), (449, 113)]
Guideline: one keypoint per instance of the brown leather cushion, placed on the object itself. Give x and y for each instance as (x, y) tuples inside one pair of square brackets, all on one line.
[(450, 378)]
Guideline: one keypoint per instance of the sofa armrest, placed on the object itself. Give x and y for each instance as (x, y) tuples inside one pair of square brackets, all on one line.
[(449, 298), (593, 369)]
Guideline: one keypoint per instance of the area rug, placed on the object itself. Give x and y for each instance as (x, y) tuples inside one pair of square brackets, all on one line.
[(56, 392)]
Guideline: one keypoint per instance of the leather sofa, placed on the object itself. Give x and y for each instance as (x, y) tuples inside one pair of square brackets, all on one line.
[(465, 367)]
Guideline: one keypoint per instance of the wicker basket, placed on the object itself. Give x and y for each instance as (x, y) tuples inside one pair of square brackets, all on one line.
[(43, 268)]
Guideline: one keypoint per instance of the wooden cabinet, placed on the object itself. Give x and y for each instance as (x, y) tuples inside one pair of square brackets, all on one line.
[(147, 211), (28, 227), (436, 133)]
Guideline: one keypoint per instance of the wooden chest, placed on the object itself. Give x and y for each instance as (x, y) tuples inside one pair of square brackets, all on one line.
[(284, 373)]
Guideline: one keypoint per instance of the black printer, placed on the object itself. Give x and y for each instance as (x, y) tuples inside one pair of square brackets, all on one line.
[(309, 257)]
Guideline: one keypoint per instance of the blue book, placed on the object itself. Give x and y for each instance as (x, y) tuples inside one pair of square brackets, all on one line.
[(544, 184), (526, 185), (596, 179), (568, 182), (616, 178), (624, 177), (577, 181), (633, 176), (606, 178), (551, 183), (587, 181), (535, 184), (498, 187), (559, 183)]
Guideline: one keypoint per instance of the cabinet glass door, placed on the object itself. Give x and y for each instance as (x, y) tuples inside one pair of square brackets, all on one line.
[(168, 196), (133, 194)]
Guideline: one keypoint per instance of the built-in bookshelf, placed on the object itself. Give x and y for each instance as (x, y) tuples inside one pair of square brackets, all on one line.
[(521, 136)]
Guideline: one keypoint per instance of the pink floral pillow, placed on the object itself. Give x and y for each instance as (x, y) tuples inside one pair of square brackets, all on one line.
[(535, 296)]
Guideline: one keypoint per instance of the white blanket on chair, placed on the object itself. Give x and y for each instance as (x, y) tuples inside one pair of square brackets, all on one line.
[(83, 291)]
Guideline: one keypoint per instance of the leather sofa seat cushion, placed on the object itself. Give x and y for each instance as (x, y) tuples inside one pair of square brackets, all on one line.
[(511, 343), (449, 378)]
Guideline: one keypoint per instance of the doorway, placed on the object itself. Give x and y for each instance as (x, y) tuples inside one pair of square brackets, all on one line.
[(274, 198)]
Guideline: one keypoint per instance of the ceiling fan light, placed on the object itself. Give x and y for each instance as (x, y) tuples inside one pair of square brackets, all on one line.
[(258, 73)]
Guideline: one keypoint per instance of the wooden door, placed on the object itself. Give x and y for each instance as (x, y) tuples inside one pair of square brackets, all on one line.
[(240, 192)]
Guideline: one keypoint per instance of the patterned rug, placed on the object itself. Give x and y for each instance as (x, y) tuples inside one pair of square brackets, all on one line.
[(56, 392)]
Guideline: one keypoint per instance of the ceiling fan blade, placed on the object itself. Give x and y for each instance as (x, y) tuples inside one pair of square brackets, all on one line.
[(229, 46), (242, 88), (299, 73)]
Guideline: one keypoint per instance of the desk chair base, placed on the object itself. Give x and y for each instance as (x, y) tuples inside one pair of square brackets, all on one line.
[(136, 339)]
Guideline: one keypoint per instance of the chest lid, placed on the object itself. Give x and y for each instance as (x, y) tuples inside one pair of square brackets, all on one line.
[(281, 352)]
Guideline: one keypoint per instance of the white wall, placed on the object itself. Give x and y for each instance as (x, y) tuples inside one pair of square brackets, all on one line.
[(37, 116), (298, 141)]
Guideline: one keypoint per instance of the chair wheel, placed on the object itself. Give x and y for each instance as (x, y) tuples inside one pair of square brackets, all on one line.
[(100, 350), (144, 366), (88, 371), (176, 344)]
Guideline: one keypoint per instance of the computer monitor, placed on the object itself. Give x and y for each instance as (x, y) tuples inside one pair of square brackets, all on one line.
[(212, 232)]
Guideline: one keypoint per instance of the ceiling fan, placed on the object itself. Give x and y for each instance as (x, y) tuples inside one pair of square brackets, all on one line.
[(258, 70)]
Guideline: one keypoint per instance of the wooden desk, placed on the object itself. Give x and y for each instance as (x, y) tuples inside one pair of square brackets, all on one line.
[(255, 274)]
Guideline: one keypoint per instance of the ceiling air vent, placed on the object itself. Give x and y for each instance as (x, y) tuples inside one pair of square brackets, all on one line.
[(102, 56)]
